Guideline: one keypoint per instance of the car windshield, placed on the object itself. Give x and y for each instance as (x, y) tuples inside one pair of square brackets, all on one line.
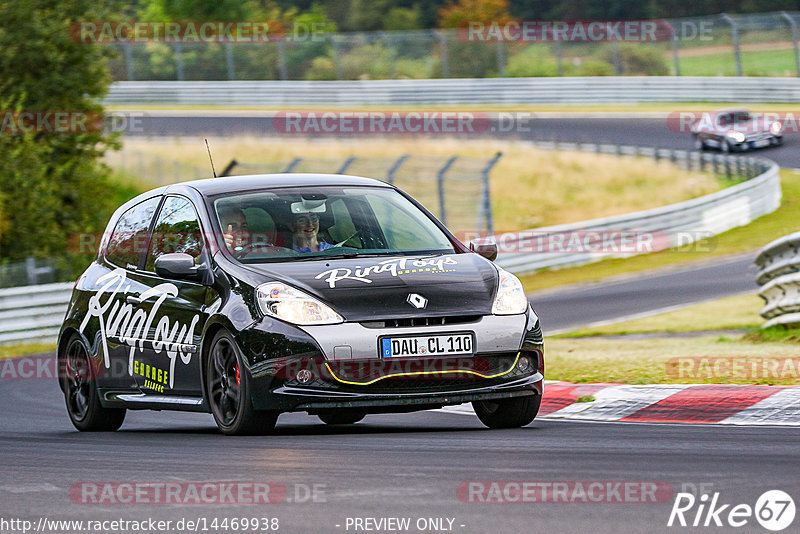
[(298, 224)]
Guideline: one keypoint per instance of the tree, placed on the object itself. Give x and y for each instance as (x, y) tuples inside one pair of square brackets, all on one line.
[(53, 184)]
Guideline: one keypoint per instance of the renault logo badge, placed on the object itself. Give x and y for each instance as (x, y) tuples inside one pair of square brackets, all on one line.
[(418, 301)]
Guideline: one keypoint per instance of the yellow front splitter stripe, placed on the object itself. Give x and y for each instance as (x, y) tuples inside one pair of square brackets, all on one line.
[(418, 373)]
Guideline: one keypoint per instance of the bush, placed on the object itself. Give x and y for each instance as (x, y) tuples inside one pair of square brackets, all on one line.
[(640, 60), (535, 60)]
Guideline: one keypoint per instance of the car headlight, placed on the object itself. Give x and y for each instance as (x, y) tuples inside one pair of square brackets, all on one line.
[(736, 136), (510, 299), (776, 127), (294, 306)]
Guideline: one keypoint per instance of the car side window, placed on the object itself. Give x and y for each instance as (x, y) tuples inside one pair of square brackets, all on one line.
[(129, 237), (177, 229)]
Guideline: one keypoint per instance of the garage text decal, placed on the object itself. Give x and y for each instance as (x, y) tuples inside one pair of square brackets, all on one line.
[(395, 267), (132, 328)]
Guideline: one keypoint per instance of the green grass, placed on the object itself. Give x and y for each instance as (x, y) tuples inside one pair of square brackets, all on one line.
[(780, 333), (728, 313), (676, 360), (755, 235), (754, 63)]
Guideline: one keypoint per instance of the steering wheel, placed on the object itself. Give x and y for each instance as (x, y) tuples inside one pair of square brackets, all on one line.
[(267, 248)]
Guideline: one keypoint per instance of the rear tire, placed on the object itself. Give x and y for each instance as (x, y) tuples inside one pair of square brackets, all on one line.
[(347, 417), (228, 390), (77, 378), (699, 144), (508, 413)]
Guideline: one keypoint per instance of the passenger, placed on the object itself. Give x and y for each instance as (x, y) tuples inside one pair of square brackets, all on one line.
[(305, 227)]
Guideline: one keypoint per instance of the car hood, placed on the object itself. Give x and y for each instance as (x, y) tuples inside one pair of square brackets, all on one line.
[(377, 288)]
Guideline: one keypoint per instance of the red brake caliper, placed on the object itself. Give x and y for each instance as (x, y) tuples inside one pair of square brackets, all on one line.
[(237, 375)]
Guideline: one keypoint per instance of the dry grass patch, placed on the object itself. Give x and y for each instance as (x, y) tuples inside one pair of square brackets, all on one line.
[(530, 187)]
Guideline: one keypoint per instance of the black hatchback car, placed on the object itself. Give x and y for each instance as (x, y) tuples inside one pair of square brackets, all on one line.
[(251, 296)]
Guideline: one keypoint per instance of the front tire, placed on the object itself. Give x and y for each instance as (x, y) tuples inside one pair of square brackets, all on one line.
[(508, 413), (699, 144), (725, 147), (78, 383), (228, 390), (347, 417)]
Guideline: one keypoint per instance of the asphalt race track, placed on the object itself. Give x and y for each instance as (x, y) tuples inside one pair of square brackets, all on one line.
[(562, 309), (386, 466), (630, 131)]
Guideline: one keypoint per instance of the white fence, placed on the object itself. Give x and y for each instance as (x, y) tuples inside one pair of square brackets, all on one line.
[(461, 91), (779, 278), (33, 313)]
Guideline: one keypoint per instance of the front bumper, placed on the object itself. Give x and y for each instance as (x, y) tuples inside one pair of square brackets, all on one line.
[(347, 371)]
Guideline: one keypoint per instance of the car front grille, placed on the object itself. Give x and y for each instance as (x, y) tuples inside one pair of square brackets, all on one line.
[(422, 321)]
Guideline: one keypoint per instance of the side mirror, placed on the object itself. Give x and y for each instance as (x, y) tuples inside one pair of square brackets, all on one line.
[(177, 265), (487, 250)]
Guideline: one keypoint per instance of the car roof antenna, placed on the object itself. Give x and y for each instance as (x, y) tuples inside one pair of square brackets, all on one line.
[(214, 172)]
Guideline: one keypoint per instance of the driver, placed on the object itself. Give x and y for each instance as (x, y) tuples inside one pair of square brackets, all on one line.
[(234, 228), (305, 227)]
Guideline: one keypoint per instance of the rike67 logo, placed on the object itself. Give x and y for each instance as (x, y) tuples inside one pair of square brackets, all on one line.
[(774, 510)]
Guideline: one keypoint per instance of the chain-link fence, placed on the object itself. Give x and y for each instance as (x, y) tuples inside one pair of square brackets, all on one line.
[(721, 45), (454, 188)]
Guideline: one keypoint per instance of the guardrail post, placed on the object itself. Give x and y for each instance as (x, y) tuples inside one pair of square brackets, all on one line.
[(30, 268), (293, 164), (559, 59), (501, 58), (728, 167), (793, 24), (128, 51), (735, 38), (229, 63), (442, 36), (336, 60), (346, 165), (177, 51), (392, 53), (282, 60), (440, 187), (395, 166), (487, 199), (615, 58), (675, 58)]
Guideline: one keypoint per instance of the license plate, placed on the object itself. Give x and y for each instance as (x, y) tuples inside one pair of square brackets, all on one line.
[(421, 346), (760, 143)]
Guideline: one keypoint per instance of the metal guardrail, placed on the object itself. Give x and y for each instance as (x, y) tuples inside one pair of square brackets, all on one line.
[(779, 278), (33, 313), (462, 91), (680, 223)]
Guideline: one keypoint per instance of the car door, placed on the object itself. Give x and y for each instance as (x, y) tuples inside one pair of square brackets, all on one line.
[(111, 320), (167, 362)]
